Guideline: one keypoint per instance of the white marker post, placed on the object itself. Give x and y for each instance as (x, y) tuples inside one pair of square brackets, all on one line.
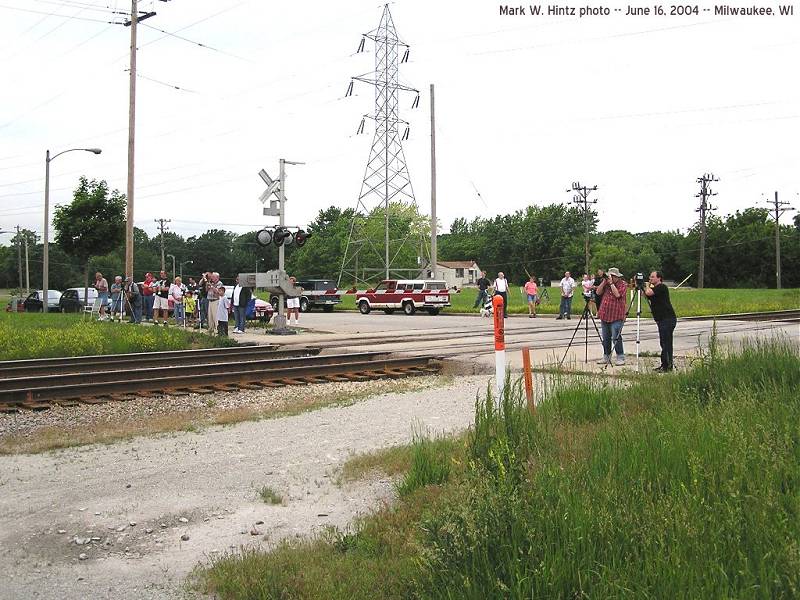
[(499, 344)]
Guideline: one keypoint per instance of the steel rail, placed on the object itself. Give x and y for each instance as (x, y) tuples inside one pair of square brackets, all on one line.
[(138, 361), (36, 391), (154, 374), (163, 355)]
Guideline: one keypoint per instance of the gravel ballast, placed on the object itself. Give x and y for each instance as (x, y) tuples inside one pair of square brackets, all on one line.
[(148, 510)]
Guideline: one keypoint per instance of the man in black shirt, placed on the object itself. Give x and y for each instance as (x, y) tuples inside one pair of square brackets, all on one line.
[(483, 285), (664, 315)]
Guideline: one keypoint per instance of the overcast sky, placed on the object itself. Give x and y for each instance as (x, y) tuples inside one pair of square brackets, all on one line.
[(639, 106)]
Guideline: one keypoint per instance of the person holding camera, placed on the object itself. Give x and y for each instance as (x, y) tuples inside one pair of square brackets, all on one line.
[(612, 313), (664, 315)]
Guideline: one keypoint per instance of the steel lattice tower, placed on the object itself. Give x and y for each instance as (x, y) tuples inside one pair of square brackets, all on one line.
[(386, 178)]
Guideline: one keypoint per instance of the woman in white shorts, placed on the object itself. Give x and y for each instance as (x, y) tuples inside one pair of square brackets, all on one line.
[(293, 305)]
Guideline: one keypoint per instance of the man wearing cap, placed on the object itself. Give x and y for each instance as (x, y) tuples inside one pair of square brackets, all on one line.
[(611, 293), (134, 297)]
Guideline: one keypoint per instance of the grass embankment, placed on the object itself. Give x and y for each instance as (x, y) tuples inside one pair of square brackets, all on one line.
[(685, 486), (687, 302), (30, 335)]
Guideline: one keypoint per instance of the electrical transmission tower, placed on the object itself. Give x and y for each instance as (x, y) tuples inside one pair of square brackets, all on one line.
[(386, 178), (581, 198), (776, 210), (704, 209)]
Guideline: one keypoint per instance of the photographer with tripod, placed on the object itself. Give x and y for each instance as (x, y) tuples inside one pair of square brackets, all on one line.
[(664, 315), (613, 309)]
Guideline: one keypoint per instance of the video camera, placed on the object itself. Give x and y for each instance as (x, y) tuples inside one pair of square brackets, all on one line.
[(640, 283)]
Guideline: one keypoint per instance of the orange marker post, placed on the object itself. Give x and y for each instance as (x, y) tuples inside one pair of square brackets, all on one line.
[(499, 344), (526, 366)]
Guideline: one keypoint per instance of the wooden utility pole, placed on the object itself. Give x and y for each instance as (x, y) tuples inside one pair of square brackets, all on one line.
[(162, 226), (777, 209), (703, 209), (19, 257), (131, 144), (434, 252), (581, 198), (135, 18)]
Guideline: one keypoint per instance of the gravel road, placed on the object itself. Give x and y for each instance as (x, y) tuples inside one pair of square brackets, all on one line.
[(131, 520)]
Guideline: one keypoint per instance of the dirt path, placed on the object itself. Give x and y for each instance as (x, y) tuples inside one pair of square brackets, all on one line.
[(108, 521)]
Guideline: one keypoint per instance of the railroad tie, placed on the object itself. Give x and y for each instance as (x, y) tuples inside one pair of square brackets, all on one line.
[(34, 405), (94, 400)]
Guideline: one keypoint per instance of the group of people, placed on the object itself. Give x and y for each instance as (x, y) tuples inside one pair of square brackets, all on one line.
[(202, 304), (606, 298)]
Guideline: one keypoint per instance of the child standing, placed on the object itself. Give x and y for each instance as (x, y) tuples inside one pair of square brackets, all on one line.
[(223, 308), (189, 305)]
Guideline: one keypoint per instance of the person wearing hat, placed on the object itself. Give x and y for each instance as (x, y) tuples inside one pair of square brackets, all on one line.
[(134, 297), (612, 313)]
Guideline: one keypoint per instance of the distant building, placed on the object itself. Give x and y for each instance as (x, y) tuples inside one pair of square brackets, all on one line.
[(457, 273)]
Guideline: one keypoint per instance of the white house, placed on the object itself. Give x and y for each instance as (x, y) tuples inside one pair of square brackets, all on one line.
[(457, 273)]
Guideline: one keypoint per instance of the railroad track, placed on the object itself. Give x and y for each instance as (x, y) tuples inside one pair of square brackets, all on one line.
[(38, 384)]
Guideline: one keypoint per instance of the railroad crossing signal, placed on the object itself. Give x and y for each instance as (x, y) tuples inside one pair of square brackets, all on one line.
[(273, 188)]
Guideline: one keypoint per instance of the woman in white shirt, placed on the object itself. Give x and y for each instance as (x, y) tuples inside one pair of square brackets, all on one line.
[(501, 289), (176, 291)]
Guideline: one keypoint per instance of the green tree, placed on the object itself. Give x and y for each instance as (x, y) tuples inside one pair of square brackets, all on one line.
[(92, 225)]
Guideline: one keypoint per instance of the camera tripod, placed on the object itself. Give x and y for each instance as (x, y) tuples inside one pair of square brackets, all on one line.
[(586, 315), (638, 297)]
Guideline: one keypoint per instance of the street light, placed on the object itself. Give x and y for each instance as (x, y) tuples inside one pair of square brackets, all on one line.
[(46, 246), (186, 262), (172, 256)]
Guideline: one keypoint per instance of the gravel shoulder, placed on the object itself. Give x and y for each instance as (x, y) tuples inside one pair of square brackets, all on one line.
[(107, 521)]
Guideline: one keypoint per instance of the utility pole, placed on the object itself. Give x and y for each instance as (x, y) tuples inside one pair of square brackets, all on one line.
[(19, 257), (135, 19), (161, 225), (27, 270), (131, 136), (703, 209), (777, 209), (434, 253), (581, 198)]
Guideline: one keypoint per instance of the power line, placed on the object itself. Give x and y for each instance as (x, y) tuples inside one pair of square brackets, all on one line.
[(200, 44), (69, 18)]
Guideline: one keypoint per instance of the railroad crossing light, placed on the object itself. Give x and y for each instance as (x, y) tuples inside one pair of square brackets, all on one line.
[(264, 237), (281, 236), (300, 237)]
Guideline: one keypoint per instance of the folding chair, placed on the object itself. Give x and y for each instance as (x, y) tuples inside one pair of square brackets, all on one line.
[(92, 309)]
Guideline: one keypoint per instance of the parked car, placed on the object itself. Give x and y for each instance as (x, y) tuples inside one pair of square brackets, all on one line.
[(256, 308), (20, 305), (33, 303), (73, 300), (409, 295), (321, 293)]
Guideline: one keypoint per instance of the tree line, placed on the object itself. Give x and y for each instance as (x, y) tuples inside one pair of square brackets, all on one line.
[(540, 240)]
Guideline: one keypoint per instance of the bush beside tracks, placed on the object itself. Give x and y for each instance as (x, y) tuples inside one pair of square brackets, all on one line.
[(30, 335), (685, 486)]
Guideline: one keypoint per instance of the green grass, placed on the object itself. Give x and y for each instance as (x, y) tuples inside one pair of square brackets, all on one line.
[(687, 302), (681, 486), (269, 496), (30, 335)]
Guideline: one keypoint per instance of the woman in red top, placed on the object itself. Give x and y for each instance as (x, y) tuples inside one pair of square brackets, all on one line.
[(148, 294), (532, 291)]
